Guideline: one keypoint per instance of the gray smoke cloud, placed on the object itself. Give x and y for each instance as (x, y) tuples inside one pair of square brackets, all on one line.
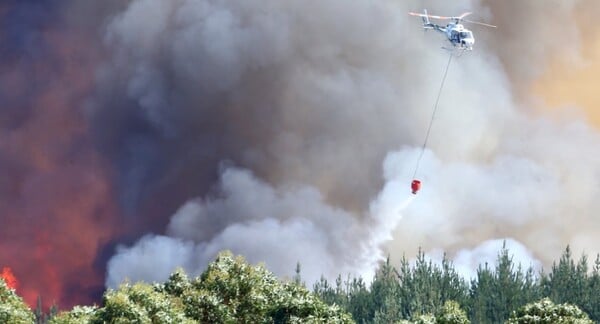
[(278, 226), (322, 108)]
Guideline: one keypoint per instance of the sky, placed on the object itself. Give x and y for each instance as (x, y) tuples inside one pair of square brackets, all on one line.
[(140, 136)]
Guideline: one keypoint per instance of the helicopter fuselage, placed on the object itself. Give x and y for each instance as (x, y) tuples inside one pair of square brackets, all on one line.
[(456, 34)]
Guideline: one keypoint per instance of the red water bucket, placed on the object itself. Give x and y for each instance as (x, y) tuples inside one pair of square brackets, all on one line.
[(415, 186)]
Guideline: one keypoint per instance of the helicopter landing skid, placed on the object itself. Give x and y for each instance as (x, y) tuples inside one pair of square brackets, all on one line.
[(457, 51)]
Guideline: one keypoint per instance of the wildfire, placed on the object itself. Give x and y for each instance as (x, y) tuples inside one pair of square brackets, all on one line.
[(9, 278)]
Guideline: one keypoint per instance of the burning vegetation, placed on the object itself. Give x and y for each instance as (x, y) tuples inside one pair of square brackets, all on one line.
[(9, 278)]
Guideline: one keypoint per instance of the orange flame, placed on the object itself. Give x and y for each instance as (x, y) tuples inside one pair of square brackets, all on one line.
[(9, 278)]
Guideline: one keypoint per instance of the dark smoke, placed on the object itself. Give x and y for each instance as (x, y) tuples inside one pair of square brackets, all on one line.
[(201, 83), (55, 197)]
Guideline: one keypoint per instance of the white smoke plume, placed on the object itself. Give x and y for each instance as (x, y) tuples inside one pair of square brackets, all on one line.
[(467, 261), (277, 226), (310, 99)]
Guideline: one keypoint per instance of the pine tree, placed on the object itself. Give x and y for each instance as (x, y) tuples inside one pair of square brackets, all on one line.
[(482, 295), (385, 294), (297, 276), (432, 285), (360, 301), (406, 290), (495, 294), (568, 282), (593, 307)]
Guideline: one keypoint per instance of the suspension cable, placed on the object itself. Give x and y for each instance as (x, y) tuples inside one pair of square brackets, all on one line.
[(437, 100)]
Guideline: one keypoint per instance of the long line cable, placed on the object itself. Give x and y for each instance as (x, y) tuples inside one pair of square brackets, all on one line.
[(435, 107)]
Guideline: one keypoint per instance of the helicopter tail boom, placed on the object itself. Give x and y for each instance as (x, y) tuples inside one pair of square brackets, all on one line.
[(425, 19), (426, 23)]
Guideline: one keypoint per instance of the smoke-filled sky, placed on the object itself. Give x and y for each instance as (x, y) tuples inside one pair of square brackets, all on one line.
[(139, 136)]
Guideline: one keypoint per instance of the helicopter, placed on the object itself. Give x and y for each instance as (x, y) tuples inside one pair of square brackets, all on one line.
[(459, 36)]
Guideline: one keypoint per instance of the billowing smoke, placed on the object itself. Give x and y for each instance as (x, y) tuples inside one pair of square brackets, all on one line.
[(281, 89), (468, 261), (278, 226), (316, 97), (140, 136)]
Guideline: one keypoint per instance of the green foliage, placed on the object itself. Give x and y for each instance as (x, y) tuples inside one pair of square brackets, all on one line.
[(298, 276), (425, 290), (79, 314), (12, 307), (495, 294), (452, 314), (425, 319), (352, 295), (546, 312), (297, 305), (385, 292), (234, 288), (396, 295), (570, 282), (231, 291), (120, 308), (425, 287), (359, 300), (177, 283), (565, 282), (592, 306)]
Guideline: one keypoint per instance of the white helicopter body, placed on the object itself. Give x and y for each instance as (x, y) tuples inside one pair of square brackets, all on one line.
[(456, 33)]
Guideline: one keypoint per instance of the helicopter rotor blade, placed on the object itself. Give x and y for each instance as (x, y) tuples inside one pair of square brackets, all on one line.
[(479, 23), (430, 16), (463, 15)]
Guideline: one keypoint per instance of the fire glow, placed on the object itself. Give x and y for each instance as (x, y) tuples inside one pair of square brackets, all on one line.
[(9, 278)]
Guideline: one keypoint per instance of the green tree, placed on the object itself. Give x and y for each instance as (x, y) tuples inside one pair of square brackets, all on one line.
[(298, 276), (482, 295), (426, 286), (452, 313), (546, 312), (232, 291), (229, 291), (353, 295), (568, 281), (329, 293), (425, 319), (389, 312), (120, 308), (495, 294), (593, 306), (78, 315), (359, 300), (425, 280), (295, 304), (406, 290), (12, 307), (385, 293)]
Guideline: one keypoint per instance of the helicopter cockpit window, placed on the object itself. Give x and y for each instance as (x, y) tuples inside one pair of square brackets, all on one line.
[(465, 34)]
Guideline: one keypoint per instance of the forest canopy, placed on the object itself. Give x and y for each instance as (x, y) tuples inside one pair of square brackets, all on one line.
[(232, 291)]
